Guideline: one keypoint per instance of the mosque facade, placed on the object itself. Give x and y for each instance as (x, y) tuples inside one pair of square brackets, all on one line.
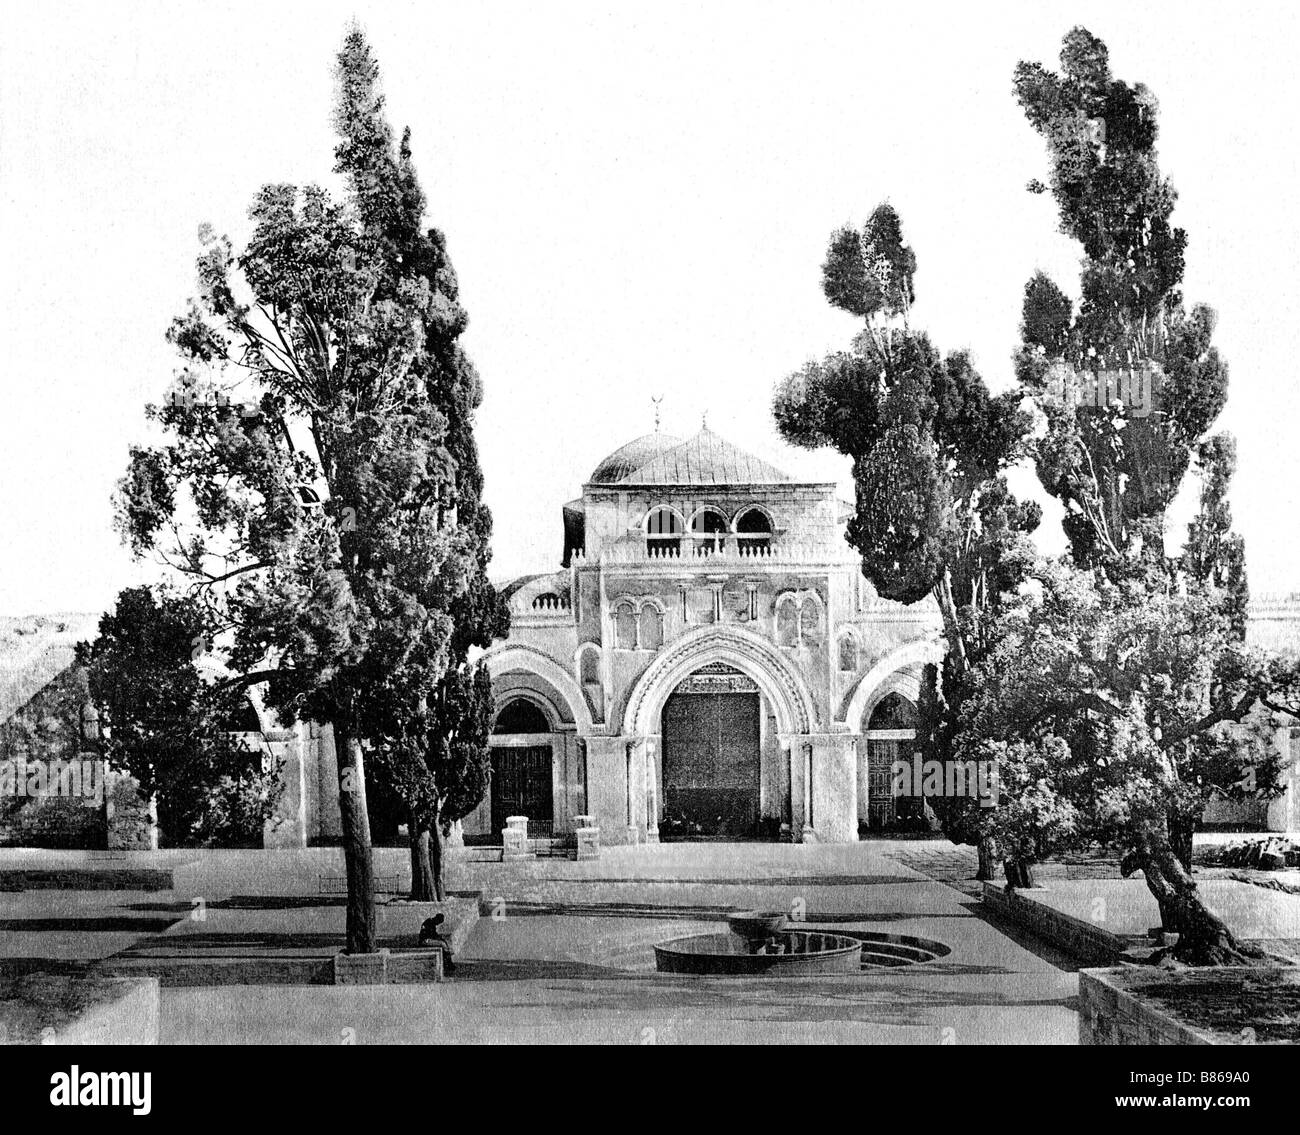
[(707, 663)]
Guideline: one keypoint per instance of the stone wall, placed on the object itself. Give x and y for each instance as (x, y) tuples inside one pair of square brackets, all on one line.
[(45, 730), (1072, 935), (1118, 1005)]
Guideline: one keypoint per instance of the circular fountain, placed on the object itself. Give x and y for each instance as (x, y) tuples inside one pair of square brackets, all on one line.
[(758, 943)]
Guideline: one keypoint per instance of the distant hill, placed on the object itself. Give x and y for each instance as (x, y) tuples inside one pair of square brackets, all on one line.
[(34, 650)]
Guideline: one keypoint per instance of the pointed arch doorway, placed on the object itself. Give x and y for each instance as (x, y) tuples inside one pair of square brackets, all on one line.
[(712, 757)]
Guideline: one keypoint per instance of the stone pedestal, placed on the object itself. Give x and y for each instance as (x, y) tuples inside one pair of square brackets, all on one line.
[(588, 837), (514, 839)]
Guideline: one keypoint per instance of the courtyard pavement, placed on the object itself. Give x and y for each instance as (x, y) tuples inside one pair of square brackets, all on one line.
[(88, 925), (564, 949), (564, 953)]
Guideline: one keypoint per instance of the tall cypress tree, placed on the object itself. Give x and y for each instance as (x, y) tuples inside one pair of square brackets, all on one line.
[(319, 525), (437, 757)]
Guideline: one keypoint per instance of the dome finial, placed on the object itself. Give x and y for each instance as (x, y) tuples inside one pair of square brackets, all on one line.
[(656, 401), (704, 420)]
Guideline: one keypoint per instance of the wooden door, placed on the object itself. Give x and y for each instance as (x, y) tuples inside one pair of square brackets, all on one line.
[(521, 786), (711, 766)]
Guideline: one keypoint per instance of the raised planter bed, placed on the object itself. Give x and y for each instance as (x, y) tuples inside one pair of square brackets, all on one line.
[(1084, 940), (389, 967), (1220, 1005)]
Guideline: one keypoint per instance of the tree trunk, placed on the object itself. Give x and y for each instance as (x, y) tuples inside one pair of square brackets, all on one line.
[(361, 934), (942, 592), (1182, 828), (423, 884), (988, 854), (1020, 873), (435, 833), (1203, 938)]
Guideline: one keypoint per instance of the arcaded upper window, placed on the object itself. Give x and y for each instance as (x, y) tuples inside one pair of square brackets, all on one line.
[(753, 531), (787, 622), (650, 628), (663, 533), (709, 531), (625, 626)]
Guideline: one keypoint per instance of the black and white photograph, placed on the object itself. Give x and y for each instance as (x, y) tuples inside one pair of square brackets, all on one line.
[(716, 523)]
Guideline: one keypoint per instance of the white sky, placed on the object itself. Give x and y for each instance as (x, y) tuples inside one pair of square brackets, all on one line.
[(637, 201)]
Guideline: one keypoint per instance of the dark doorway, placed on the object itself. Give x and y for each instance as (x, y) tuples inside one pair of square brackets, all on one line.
[(521, 786), (711, 766), (891, 737)]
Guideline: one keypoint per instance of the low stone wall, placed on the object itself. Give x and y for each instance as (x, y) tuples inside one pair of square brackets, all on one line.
[(86, 879), (389, 967), (1116, 1004), (208, 970), (1108, 1014), (461, 914), (1082, 939), (217, 875)]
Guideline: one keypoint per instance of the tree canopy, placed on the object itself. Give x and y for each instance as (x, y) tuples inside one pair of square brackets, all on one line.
[(317, 489)]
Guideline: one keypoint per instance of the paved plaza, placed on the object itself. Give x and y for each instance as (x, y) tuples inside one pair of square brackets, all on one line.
[(564, 953)]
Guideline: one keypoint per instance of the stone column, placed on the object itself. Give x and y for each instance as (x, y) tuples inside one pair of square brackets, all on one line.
[(571, 800), (795, 748), (607, 787), (864, 778), (288, 826), (835, 788), (823, 787), (653, 750), (640, 788)]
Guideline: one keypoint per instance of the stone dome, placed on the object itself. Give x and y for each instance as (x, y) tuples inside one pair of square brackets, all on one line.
[(706, 459), (630, 457)]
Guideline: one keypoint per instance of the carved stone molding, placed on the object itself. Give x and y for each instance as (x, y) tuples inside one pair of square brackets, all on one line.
[(744, 651)]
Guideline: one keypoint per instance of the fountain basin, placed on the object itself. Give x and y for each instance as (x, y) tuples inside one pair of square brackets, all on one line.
[(756, 924), (787, 953)]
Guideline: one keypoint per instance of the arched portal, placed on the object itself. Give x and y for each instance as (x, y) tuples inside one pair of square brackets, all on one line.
[(522, 766), (890, 735), (712, 757), (750, 736)]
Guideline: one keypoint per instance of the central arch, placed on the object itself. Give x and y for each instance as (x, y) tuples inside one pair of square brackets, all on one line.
[(713, 760), (785, 690)]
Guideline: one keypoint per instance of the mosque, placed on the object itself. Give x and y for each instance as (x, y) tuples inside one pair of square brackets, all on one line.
[(708, 662)]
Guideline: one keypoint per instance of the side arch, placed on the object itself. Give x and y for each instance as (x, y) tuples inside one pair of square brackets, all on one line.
[(885, 677), (504, 660)]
